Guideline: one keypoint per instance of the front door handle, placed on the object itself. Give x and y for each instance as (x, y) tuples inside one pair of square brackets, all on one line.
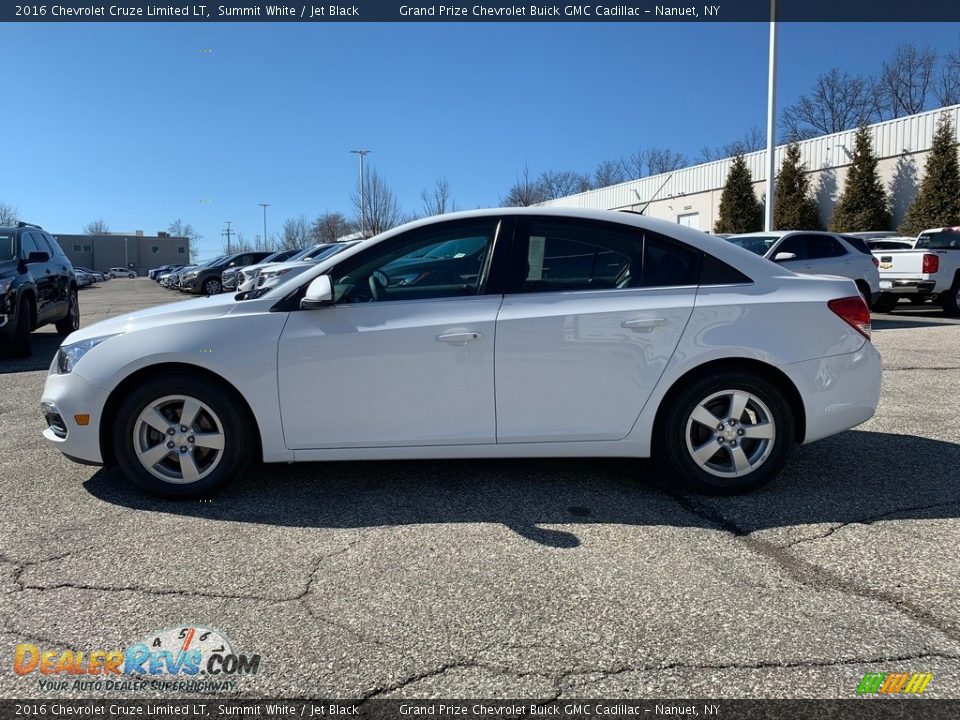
[(459, 338), (640, 324)]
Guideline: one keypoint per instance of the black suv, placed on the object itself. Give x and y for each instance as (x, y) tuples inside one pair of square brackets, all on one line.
[(206, 279), (37, 287)]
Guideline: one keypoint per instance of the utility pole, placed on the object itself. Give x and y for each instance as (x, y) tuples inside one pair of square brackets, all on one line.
[(264, 206), (361, 152), (228, 233)]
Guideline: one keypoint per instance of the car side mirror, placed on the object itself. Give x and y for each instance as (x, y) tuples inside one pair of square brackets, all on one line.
[(319, 293), (784, 256), (38, 257)]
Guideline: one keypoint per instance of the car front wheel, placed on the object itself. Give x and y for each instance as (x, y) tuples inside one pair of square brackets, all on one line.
[(727, 433), (212, 287), (179, 437)]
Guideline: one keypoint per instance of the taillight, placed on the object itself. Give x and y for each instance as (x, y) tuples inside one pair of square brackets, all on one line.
[(931, 263), (854, 312), (876, 263)]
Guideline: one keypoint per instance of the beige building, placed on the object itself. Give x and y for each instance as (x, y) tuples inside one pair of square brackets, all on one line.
[(691, 196)]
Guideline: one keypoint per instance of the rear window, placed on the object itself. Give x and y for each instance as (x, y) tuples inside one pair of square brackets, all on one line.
[(8, 248), (857, 243), (944, 240)]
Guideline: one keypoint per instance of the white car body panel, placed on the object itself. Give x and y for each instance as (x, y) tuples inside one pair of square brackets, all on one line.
[(549, 374)]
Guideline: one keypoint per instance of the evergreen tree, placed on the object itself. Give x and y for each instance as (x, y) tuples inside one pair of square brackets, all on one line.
[(863, 204), (938, 202), (740, 212), (794, 209)]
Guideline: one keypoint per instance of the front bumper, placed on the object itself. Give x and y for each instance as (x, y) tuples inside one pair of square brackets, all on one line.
[(839, 392), (228, 282), (64, 397)]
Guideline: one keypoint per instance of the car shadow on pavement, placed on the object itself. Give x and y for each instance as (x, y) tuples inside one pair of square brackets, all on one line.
[(44, 346), (856, 476)]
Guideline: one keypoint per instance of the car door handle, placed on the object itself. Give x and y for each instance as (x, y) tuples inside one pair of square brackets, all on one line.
[(640, 324), (458, 338)]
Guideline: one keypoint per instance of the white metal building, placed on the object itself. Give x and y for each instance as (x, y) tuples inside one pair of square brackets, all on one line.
[(691, 196)]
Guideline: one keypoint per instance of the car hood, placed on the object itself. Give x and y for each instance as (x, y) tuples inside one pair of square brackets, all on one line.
[(289, 265), (199, 309)]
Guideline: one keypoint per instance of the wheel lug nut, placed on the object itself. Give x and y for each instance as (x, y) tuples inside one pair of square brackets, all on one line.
[(740, 431), (183, 428), (191, 439), (171, 431), (733, 443), (183, 448), (720, 426), (170, 444)]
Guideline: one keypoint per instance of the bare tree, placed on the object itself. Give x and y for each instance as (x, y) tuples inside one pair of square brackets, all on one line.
[(752, 140), (439, 200), (634, 165), (904, 81), (381, 210), (560, 183), (525, 191), (9, 215), (239, 245), (294, 234), (608, 172), (946, 88), (178, 228), (96, 227), (330, 226), (838, 101), (663, 160)]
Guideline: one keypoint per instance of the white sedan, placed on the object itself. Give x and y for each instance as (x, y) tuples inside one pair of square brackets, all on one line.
[(543, 333)]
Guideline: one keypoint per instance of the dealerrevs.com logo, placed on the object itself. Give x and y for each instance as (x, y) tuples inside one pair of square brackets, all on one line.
[(186, 658)]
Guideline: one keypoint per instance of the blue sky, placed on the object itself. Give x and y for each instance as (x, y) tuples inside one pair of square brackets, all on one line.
[(143, 123)]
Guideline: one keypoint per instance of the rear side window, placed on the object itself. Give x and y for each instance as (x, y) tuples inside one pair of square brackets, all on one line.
[(824, 246), (857, 243), (667, 263), (717, 272)]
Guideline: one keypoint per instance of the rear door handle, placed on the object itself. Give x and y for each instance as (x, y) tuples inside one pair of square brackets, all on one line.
[(459, 338), (641, 324)]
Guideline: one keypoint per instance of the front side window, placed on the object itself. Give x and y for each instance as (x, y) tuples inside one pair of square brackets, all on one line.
[(434, 262), (565, 256), (8, 247), (795, 244)]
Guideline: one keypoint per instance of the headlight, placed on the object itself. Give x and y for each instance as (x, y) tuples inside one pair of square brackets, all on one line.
[(274, 274), (5, 284), (69, 355)]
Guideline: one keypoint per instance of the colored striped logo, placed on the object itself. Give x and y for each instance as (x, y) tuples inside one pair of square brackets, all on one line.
[(894, 683)]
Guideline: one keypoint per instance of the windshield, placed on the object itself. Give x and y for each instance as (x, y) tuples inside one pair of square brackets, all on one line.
[(944, 240), (328, 251), (457, 248), (8, 248), (757, 244)]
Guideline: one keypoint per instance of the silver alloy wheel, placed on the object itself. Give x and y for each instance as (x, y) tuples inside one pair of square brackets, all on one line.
[(730, 433), (178, 439), (212, 285), (74, 310)]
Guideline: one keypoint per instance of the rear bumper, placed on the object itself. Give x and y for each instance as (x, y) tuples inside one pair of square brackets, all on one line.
[(839, 392), (909, 287)]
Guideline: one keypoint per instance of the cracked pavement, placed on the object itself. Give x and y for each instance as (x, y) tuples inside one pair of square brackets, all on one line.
[(537, 578)]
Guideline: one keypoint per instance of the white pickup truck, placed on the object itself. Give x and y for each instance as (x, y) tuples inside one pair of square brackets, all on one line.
[(930, 270)]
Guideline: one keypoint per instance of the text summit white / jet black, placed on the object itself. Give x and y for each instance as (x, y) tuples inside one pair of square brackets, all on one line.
[(498, 333)]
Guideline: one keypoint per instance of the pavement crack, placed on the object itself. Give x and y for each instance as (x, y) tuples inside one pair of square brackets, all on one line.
[(443, 669)]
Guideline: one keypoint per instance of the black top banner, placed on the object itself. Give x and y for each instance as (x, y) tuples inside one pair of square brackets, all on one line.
[(484, 11)]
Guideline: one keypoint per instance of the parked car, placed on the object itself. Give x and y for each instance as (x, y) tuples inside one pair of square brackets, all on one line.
[(152, 274), (874, 234), (233, 277), (678, 345), (37, 287), (272, 275), (172, 280), (82, 277), (817, 253), (205, 278), (930, 270), (892, 243), (121, 272)]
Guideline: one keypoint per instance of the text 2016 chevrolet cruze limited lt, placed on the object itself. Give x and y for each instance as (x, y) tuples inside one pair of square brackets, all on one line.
[(497, 333)]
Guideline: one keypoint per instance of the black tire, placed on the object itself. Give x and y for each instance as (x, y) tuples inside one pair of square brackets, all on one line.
[(211, 286), (238, 438), (20, 346), (675, 454), (864, 291), (71, 322), (885, 303), (950, 300)]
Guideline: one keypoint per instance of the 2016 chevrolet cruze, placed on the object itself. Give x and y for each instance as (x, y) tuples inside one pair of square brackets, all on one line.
[(499, 333)]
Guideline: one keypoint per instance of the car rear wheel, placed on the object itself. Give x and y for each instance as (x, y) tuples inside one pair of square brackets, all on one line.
[(20, 343), (212, 287), (180, 437), (71, 322), (950, 300), (726, 433)]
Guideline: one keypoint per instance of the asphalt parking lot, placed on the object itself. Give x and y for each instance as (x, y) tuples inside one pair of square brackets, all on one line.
[(535, 579)]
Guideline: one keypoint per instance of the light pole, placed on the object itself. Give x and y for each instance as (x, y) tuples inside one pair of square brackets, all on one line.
[(264, 206), (361, 152), (771, 117)]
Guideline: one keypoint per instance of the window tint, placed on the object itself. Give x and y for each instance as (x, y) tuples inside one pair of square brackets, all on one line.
[(795, 244), (28, 244), (436, 262), (46, 244), (7, 247), (564, 256), (717, 272), (945, 240), (823, 246), (857, 243), (757, 244)]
